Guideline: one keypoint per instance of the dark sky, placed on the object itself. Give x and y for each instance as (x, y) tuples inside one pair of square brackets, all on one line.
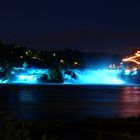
[(89, 25)]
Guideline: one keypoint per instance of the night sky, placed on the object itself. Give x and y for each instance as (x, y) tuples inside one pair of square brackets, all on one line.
[(89, 25)]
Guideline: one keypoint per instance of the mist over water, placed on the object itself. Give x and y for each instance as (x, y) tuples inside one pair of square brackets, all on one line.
[(101, 76), (85, 76)]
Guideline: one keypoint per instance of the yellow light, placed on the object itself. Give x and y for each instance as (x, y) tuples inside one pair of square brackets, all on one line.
[(127, 59), (75, 63), (61, 61), (134, 69), (53, 54), (34, 57), (135, 61), (138, 51)]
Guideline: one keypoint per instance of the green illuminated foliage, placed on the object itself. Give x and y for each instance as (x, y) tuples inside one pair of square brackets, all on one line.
[(55, 75)]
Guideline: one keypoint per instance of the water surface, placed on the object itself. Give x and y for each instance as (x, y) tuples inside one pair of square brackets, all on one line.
[(69, 102)]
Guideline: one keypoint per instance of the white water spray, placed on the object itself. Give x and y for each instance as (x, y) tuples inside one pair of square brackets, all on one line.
[(86, 76), (101, 76)]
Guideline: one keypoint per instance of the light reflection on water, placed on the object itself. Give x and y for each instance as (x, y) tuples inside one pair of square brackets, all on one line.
[(129, 101), (25, 96), (70, 103)]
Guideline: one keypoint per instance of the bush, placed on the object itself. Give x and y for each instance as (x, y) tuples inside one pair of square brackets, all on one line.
[(11, 129), (55, 75)]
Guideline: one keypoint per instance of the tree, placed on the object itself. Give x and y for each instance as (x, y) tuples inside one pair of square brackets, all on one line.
[(55, 75)]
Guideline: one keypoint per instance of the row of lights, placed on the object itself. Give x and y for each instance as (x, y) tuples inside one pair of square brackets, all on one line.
[(133, 58)]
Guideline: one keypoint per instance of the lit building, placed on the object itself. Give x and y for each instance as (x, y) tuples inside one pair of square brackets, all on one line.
[(131, 64), (132, 61)]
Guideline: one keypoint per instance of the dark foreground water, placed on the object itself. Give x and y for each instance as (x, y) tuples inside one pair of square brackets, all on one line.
[(69, 103)]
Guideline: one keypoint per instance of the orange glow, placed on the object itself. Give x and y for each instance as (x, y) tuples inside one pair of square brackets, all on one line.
[(133, 58)]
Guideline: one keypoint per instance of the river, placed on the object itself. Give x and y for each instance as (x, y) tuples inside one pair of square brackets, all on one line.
[(69, 102)]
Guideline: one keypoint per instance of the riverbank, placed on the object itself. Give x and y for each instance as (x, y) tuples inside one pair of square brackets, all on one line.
[(89, 129)]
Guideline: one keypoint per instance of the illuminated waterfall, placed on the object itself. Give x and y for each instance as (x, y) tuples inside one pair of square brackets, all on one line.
[(102, 76), (86, 76)]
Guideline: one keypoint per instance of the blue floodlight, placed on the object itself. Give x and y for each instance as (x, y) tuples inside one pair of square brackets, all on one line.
[(87, 76)]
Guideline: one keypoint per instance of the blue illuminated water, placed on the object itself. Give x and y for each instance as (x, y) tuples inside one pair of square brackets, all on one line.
[(95, 93), (86, 76), (100, 76)]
